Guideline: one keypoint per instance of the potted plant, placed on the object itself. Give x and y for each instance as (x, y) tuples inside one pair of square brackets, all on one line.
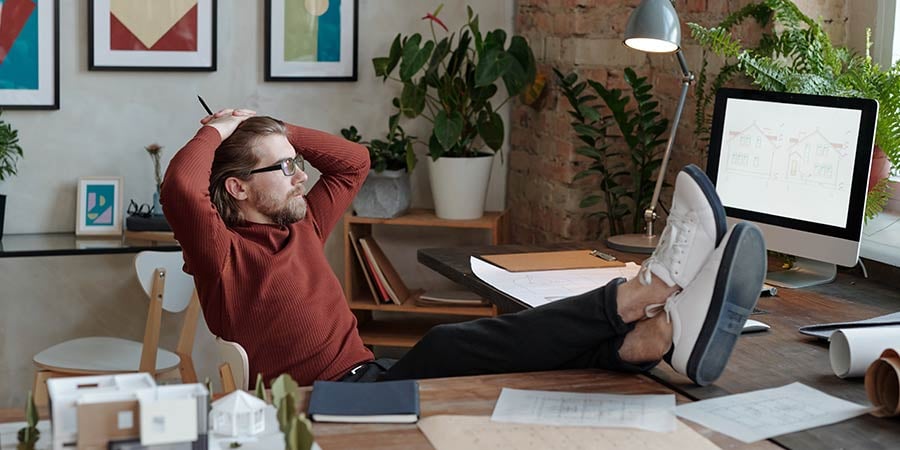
[(451, 81), (798, 56), (10, 152), (386, 193)]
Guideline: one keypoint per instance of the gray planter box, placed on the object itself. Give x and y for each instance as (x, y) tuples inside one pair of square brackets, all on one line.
[(383, 195)]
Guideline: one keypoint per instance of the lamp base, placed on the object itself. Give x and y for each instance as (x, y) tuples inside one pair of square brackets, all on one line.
[(633, 243)]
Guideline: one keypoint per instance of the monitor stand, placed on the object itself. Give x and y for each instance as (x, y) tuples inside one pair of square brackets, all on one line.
[(805, 273)]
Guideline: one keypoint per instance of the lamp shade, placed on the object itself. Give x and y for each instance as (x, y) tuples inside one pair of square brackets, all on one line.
[(654, 27)]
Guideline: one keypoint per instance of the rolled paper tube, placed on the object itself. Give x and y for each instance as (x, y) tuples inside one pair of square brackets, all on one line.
[(883, 384), (853, 349)]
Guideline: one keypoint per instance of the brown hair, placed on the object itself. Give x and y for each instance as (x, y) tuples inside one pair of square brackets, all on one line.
[(235, 157)]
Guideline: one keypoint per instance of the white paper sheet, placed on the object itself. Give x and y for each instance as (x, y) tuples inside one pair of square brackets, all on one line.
[(766, 413), (480, 433), (541, 287), (646, 412), (852, 349)]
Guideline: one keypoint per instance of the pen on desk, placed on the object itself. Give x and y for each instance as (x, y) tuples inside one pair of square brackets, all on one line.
[(205, 106), (603, 256)]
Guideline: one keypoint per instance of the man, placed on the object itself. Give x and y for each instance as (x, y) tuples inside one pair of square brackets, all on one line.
[(234, 196)]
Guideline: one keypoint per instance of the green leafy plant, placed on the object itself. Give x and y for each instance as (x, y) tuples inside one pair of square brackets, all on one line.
[(395, 152), (796, 55), (10, 151), (452, 81), (625, 178), (29, 435)]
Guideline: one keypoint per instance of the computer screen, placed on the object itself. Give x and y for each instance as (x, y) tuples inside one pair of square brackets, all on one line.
[(796, 165)]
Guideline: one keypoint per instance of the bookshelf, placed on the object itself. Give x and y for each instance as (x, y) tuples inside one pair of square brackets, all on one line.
[(411, 321)]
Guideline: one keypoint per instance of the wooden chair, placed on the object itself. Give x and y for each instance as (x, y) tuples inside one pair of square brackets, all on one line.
[(170, 289), (235, 371)]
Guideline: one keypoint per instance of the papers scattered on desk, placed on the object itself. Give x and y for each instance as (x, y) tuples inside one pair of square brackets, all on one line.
[(538, 288), (646, 412), (766, 413), (479, 432)]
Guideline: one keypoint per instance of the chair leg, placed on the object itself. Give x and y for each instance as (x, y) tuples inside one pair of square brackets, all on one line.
[(186, 368), (40, 393), (228, 385)]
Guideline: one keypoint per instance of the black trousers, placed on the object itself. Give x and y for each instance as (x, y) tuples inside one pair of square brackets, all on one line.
[(578, 332)]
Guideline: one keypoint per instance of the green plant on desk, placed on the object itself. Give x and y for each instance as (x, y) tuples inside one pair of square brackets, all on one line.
[(796, 55), (29, 435)]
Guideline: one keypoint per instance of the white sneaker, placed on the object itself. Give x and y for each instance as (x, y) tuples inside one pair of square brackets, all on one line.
[(708, 315), (694, 228)]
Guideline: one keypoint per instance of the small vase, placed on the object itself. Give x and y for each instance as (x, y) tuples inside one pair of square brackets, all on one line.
[(383, 195), (157, 207), (459, 186), (881, 167)]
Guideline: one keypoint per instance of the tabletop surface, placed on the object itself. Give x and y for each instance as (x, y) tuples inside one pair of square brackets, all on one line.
[(760, 360)]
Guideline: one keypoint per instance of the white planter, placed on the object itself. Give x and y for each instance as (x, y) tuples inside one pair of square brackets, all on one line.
[(383, 195), (459, 186)]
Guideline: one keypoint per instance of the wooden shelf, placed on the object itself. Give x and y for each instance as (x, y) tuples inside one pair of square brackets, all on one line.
[(396, 332), (415, 320), (426, 217), (411, 307)]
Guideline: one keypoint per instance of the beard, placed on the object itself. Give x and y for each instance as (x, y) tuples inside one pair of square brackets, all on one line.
[(283, 211)]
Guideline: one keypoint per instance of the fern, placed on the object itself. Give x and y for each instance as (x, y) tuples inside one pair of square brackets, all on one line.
[(877, 198)]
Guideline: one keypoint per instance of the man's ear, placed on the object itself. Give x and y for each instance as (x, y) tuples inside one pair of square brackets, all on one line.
[(236, 187)]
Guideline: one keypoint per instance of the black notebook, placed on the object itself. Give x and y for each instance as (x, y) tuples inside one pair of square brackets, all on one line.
[(381, 402)]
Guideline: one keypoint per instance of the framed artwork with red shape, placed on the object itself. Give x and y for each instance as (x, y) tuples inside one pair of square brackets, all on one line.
[(29, 54), (171, 35)]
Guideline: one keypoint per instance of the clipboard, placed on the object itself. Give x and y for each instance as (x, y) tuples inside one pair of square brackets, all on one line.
[(561, 260)]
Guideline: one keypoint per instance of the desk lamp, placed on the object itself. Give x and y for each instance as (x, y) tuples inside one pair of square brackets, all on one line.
[(654, 28)]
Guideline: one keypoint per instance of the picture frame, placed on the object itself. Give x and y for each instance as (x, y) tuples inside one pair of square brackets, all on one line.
[(181, 36), (320, 46), (98, 209), (29, 63)]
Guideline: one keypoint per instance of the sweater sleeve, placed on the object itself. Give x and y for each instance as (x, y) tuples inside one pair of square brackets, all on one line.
[(344, 166), (188, 207)]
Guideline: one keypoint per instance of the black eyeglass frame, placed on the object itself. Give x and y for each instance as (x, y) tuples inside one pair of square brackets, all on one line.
[(288, 166), (143, 210)]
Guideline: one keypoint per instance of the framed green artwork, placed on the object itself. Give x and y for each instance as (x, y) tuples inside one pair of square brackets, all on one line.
[(29, 54), (99, 206), (311, 40)]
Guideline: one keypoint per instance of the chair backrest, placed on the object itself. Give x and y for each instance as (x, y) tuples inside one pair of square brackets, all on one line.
[(179, 285), (236, 357)]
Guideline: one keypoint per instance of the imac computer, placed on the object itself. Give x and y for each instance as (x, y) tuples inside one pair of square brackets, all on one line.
[(798, 167)]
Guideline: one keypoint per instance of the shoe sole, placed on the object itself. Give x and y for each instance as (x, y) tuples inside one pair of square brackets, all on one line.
[(734, 296), (709, 190)]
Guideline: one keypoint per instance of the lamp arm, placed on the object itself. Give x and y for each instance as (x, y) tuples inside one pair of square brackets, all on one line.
[(688, 78)]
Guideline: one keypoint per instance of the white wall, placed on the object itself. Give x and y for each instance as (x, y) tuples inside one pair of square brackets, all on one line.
[(106, 118)]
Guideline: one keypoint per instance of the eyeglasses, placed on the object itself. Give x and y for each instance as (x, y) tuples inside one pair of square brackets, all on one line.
[(288, 166), (143, 210)]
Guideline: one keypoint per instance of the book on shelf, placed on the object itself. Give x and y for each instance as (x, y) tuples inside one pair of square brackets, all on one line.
[(384, 271), (450, 297), (382, 402), (379, 294)]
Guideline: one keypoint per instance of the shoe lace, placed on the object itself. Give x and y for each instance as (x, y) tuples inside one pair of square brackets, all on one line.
[(670, 248), (653, 310)]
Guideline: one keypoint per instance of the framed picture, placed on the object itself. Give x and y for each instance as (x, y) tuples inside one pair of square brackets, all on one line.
[(99, 206), (158, 35), (29, 54), (312, 40)]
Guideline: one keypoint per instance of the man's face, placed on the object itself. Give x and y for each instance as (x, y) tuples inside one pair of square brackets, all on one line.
[(273, 194)]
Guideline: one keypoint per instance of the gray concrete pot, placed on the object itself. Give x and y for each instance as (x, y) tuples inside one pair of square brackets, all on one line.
[(383, 195)]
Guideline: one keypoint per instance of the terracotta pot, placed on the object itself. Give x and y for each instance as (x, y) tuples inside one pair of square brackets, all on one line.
[(881, 167)]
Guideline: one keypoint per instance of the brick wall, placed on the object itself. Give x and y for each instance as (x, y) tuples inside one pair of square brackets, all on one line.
[(586, 36)]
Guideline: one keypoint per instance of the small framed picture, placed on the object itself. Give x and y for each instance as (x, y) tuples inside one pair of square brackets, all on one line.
[(170, 35), (29, 54), (99, 206), (313, 40)]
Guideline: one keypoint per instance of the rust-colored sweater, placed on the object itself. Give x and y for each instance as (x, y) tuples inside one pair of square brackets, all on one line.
[(269, 287)]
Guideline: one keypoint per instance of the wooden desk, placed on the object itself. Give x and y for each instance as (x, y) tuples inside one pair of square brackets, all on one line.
[(477, 396), (774, 358)]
